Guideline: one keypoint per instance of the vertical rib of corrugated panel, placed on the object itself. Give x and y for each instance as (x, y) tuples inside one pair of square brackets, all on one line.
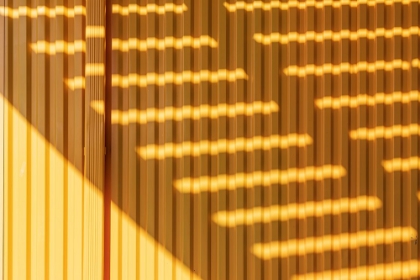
[(44, 70), (94, 141), (264, 139)]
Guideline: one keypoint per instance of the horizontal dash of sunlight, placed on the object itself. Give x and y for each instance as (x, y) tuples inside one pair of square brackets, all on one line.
[(258, 178), (385, 132), (335, 36), (296, 211), (178, 78), (367, 100), (337, 69), (24, 11), (223, 146), (95, 69), (401, 164), (395, 270), (69, 48), (310, 245), (75, 83), (98, 106), (276, 4), (192, 112), (161, 44), (95, 31), (149, 8)]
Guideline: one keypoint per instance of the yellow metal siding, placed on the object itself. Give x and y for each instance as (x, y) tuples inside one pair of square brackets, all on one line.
[(248, 139), (53, 213)]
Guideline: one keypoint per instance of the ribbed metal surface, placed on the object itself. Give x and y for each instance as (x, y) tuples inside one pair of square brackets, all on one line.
[(245, 140), (53, 214), (264, 140)]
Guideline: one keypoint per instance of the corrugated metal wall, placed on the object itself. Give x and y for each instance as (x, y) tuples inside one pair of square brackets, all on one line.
[(53, 212), (245, 140)]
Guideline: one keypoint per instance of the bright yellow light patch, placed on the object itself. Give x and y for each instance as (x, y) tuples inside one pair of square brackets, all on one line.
[(162, 44), (258, 178), (191, 112), (223, 146), (295, 211), (336, 69), (98, 106), (149, 8), (24, 11), (69, 48), (395, 270), (95, 31), (177, 78), (75, 83), (149, 247), (326, 243), (334, 36), (266, 6), (385, 132), (367, 100), (95, 69), (400, 164)]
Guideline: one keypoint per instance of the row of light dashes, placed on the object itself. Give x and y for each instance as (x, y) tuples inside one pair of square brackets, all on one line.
[(293, 211), (335, 36), (165, 78), (149, 8), (296, 211), (70, 48), (310, 245), (367, 100), (352, 68), (161, 44), (24, 11), (178, 78), (277, 4), (223, 146), (395, 270), (258, 178)]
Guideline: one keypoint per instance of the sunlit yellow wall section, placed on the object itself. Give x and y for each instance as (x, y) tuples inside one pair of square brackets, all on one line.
[(44, 119), (264, 139)]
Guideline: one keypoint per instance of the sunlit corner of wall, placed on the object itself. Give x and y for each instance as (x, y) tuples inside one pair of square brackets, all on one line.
[(84, 201), (150, 250)]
